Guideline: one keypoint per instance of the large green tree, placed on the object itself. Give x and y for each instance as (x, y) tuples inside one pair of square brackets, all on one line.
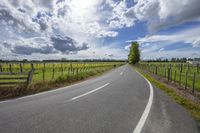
[(134, 53)]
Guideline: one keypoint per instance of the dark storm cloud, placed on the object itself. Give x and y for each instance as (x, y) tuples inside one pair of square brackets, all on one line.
[(21, 10), (6, 45), (27, 50), (67, 44), (61, 44)]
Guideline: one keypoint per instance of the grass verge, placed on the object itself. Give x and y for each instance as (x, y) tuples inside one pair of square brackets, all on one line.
[(193, 108), (22, 90)]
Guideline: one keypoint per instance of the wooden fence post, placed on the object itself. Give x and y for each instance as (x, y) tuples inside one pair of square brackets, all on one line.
[(44, 65), (168, 74), (77, 72), (1, 69), (71, 66), (193, 83), (171, 74), (21, 69), (73, 69), (10, 68), (32, 66), (180, 74), (30, 75), (43, 74), (68, 70), (181, 67), (186, 75), (175, 75), (156, 70), (62, 69), (198, 67), (53, 72)]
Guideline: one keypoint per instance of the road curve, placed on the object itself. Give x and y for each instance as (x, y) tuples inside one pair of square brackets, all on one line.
[(120, 101)]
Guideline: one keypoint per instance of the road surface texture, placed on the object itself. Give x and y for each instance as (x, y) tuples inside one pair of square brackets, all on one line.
[(120, 101)]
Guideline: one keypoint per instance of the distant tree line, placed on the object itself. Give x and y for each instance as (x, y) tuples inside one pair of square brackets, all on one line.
[(134, 53), (63, 60), (173, 60)]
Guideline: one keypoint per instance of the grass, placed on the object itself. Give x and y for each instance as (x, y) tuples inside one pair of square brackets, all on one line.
[(60, 79), (193, 108), (162, 70), (51, 71)]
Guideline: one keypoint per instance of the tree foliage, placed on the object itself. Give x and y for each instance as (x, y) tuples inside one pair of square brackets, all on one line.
[(134, 53)]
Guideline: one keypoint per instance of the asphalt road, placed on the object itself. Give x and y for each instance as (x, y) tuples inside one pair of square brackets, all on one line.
[(120, 101)]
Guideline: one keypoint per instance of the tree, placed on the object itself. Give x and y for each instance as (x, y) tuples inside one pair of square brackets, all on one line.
[(173, 59), (134, 53)]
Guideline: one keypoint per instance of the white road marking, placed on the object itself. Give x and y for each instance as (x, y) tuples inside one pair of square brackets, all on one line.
[(87, 93), (123, 71), (145, 114), (43, 93)]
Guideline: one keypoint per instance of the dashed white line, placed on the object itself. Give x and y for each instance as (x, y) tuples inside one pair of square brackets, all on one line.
[(41, 93), (123, 71), (145, 114), (82, 95)]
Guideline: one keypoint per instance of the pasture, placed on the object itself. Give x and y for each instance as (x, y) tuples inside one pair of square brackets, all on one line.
[(184, 74), (53, 71)]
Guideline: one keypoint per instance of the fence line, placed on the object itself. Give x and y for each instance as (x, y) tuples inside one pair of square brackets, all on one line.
[(188, 75), (11, 79), (43, 72)]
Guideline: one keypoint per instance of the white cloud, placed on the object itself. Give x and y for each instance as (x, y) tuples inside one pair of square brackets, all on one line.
[(171, 54), (72, 17), (22, 21), (156, 46), (127, 47), (164, 13), (190, 36), (122, 16), (161, 50)]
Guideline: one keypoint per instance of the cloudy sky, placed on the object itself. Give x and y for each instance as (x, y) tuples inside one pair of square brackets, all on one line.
[(80, 29)]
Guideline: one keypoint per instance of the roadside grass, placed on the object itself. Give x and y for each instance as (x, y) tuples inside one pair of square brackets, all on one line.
[(40, 86), (176, 75), (50, 71), (193, 108)]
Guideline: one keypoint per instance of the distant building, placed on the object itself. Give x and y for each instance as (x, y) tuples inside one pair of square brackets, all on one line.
[(194, 62)]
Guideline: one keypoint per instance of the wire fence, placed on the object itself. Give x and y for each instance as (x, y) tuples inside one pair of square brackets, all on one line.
[(183, 74), (44, 72)]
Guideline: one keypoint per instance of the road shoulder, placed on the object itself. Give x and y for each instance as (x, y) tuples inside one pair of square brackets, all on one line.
[(167, 104)]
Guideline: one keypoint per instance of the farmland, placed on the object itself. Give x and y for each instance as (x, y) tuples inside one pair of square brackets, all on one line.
[(18, 79), (44, 72), (184, 74)]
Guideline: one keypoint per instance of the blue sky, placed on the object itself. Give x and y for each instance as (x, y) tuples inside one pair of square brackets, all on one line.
[(77, 29)]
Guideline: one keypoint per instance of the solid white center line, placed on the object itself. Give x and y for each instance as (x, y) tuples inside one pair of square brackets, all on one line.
[(82, 95), (145, 114)]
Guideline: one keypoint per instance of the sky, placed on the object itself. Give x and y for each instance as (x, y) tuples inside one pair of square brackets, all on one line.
[(98, 29)]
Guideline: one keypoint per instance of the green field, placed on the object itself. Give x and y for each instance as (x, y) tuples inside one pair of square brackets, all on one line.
[(44, 72), (184, 74), (46, 76)]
